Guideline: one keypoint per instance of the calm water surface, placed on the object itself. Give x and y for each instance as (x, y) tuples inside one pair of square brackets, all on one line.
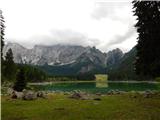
[(98, 86)]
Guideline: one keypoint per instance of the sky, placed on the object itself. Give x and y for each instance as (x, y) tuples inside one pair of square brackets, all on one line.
[(105, 24)]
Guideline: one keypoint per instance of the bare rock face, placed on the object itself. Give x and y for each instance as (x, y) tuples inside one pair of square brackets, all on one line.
[(114, 56), (59, 55), (40, 55)]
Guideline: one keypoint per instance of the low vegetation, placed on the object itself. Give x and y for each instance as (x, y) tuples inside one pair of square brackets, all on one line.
[(61, 107)]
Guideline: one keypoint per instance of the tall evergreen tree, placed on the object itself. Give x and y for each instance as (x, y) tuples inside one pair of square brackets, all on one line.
[(2, 33), (2, 27), (20, 83), (10, 67), (148, 28)]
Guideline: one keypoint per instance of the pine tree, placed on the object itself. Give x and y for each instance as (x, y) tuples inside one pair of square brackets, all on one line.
[(148, 28), (2, 44), (20, 83), (10, 67), (2, 33)]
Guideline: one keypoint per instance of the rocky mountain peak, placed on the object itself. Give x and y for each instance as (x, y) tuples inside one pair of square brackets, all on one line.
[(60, 55)]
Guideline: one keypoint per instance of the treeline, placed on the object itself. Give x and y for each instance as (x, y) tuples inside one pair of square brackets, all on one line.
[(9, 70), (84, 76), (32, 73)]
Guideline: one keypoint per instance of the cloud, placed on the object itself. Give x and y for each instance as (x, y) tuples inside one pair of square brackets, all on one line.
[(121, 38), (109, 10), (80, 22), (63, 37)]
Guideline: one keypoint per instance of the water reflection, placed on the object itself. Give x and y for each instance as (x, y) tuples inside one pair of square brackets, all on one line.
[(101, 81), (101, 84)]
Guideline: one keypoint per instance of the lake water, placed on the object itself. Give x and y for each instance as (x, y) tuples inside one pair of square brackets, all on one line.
[(100, 87)]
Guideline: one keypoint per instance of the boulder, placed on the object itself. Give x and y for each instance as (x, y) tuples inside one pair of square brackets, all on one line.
[(17, 95), (111, 92), (80, 96), (41, 94), (10, 91), (76, 96), (29, 95)]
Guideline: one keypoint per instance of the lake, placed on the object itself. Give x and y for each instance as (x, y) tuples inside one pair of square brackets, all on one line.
[(98, 87)]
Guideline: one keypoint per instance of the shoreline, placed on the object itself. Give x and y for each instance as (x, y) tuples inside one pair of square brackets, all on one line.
[(47, 83)]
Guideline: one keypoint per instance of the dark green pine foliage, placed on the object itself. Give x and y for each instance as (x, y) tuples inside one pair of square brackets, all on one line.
[(10, 67), (32, 73), (20, 83), (2, 32), (2, 27), (148, 28)]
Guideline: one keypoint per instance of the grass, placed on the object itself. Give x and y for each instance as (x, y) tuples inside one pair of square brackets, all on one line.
[(60, 107)]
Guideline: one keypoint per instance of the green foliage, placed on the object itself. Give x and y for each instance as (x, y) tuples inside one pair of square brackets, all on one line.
[(32, 73), (2, 27), (2, 43), (70, 69), (148, 50), (86, 76), (124, 70), (20, 83), (62, 78), (9, 66)]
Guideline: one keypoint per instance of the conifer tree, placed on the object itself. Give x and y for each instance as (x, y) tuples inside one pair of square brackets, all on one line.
[(10, 67), (148, 28), (2, 33), (20, 83), (2, 27)]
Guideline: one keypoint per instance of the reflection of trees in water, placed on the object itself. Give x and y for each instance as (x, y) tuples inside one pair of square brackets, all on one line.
[(101, 84)]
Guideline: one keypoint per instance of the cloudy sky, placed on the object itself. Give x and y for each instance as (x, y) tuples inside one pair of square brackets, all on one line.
[(106, 24)]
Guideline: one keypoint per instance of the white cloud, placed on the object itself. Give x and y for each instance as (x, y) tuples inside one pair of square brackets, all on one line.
[(81, 22)]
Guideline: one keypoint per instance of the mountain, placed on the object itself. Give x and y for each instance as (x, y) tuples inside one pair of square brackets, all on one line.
[(114, 57), (124, 69), (65, 59)]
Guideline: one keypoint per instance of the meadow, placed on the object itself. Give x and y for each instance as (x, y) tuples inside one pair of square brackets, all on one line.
[(61, 107)]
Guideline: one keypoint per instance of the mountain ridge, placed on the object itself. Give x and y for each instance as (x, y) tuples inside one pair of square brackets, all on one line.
[(77, 59)]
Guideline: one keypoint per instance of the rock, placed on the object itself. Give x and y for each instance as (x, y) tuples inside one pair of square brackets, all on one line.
[(117, 92), (41, 94), (13, 95), (148, 94), (111, 92), (10, 91), (29, 95), (17, 95), (76, 95), (80, 96)]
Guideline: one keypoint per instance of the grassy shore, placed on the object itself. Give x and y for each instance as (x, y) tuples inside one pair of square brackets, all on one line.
[(60, 107)]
